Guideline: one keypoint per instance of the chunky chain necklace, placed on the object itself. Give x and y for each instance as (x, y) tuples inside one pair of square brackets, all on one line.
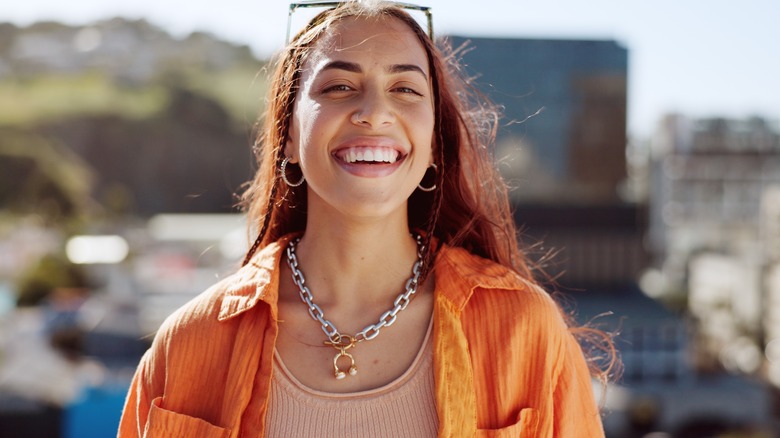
[(343, 342)]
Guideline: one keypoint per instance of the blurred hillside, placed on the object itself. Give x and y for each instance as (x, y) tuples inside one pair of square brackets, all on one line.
[(121, 118)]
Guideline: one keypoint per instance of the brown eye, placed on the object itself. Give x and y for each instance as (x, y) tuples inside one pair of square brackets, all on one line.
[(407, 90), (340, 88)]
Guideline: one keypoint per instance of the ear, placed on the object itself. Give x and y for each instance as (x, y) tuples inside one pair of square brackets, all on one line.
[(291, 151), (434, 149)]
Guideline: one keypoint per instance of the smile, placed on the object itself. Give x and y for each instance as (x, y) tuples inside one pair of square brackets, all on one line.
[(368, 155)]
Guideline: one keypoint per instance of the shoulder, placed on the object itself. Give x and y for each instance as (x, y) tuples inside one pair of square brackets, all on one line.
[(474, 284), (515, 332), (200, 310)]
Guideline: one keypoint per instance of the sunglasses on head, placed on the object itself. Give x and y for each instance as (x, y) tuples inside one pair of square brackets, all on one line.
[(329, 5)]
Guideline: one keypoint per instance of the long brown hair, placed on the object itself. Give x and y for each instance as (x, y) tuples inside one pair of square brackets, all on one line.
[(470, 206)]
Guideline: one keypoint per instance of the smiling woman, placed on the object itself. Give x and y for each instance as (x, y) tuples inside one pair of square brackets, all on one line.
[(363, 93), (385, 294)]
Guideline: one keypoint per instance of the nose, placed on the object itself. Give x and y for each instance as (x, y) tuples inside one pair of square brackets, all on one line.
[(374, 111)]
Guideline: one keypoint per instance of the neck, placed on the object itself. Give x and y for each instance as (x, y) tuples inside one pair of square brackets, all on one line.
[(356, 264)]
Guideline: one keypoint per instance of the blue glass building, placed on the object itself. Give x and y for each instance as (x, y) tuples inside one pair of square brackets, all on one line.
[(563, 132)]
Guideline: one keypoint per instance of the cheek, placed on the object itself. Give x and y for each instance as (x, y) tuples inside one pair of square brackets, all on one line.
[(310, 119), (423, 126), (301, 128)]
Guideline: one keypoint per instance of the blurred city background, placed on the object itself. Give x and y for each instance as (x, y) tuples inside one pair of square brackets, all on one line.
[(642, 148)]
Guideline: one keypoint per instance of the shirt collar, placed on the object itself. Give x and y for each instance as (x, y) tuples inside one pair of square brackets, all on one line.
[(457, 272), (257, 281)]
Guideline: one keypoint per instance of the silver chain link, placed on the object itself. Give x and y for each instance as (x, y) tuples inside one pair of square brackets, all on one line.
[(371, 331)]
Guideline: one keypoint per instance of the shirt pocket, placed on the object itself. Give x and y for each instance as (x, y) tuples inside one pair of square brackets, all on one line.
[(163, 423), (526, 427)]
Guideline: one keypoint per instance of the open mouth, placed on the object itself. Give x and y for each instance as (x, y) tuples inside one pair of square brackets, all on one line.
[(369, 155)]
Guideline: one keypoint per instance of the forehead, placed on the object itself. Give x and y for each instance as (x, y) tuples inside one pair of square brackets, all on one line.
[(381, 40)]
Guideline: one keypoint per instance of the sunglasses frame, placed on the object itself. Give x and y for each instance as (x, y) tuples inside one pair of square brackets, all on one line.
[(331, 4)]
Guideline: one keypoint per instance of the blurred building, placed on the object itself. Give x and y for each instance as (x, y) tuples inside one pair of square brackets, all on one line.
[(561, 145), (715, 216), (709, 179), (65, 365), (181, 256), (770, 239), (562, 138)]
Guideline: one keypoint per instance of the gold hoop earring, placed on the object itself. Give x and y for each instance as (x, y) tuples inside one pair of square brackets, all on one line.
[(283, 171), (431, 188)]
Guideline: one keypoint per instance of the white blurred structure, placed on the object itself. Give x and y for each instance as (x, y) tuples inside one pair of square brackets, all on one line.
[(770, 237), (32, 369), (96, 249), (725, 296), (715, 232), (184, 255)]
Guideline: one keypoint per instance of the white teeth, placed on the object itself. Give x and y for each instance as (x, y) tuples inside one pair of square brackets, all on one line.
[(380, 155)]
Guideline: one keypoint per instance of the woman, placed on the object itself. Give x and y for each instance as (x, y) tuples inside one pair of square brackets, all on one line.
[(417, 314)]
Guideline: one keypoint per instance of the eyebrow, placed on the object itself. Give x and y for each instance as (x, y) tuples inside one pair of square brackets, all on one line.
[(355, 68)]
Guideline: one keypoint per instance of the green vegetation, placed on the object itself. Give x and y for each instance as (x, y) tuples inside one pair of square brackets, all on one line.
[(50, 273), (27, 101), (88, 134), (31, 101), (240, 90), (38, 176)]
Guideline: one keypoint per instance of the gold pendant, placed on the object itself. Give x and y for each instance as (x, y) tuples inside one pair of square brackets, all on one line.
[(343, 343)]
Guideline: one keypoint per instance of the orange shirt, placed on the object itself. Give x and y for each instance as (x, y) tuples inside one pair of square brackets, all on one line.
[(505, 363)]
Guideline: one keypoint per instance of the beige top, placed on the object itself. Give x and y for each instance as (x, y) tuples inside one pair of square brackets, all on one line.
[(405, 407)]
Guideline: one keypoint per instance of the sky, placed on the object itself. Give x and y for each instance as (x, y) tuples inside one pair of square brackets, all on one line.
[(701, 58)]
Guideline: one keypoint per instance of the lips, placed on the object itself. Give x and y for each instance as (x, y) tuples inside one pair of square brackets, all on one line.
[(364, 154), (370, 150), (370, 157)]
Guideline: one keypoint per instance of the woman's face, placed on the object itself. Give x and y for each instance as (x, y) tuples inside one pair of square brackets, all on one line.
[(362, 126)]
